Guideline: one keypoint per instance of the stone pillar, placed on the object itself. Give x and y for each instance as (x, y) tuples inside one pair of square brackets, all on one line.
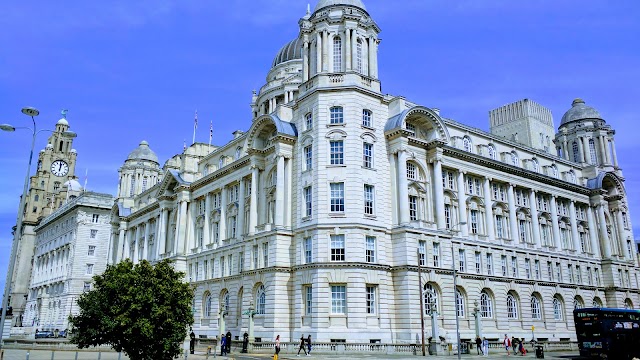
[(325, 51), (535, 222), (374, 49), (318, 52), (206, 236), (565, 149), (253, 212), (347, 50), (593, 235), (279, 215), (354, 50), (181, 231), (223, 214), (554, 223), (604, 236), (145, 249), (462, 204), (305, 62), (438, 193), (136, 244), (370, 47), (574, 226), (622, 235), (127, 244), (162, 235), (613, 153), (240, 216), (488, 210), (286, 97), (435, 334), (403, 188), (513, 219), (603, 150), (288, 191), (587, 153)]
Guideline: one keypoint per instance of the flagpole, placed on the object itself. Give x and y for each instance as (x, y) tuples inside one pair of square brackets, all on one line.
[(195, 126), (210, 132), (86, 177)]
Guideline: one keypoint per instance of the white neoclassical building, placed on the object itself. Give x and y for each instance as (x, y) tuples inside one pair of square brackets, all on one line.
[(315, 219)]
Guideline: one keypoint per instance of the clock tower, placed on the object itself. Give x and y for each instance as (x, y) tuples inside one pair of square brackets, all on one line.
[(50, 187)]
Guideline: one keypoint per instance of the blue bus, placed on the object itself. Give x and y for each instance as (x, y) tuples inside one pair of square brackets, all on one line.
[(608, 333)]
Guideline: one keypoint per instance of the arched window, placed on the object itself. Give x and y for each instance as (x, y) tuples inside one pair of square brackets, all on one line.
[(578, 303), (576, 151), (366, 117), (486, 305), (512, 307), (262, 300), (430, 299), (207, 305), (459, 304), (597, 303), (557, 309), (337, 54), (492, 152), (36, 198), (466, 143), (535, 308), (359, 55), (592, 151), (628, 304), (514, 159)]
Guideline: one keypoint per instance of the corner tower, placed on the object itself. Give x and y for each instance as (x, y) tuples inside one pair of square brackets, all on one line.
[(525, 122), (139, 173)]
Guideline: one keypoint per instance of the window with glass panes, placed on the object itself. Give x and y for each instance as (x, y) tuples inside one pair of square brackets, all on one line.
[(308, 157), (462, 262), (499, 227), (308, 120), (336, 152), (413, 208), (308, 201), (478, 262), (411, 171), (241, 261), (558, 272), (337, 248), (422, 252), (436, 254), (337, 54), (337, 116), (371, 299), (338, 299), (308, 250), (367, 155), (503, 260), (366, 118), (486, 305), (474, 221), (256, 256), (308, 299), (265, 254), (489, 264), (337, 197), (550, 270), (514, 266), (368, 199), (447, 216), (370, 249), (459, 304)]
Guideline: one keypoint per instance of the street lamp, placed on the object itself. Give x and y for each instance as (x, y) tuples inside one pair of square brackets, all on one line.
[(455, 289), (421, 301), (31, 112)]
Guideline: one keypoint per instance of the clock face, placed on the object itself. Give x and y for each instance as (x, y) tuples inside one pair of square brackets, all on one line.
[(59, 168)]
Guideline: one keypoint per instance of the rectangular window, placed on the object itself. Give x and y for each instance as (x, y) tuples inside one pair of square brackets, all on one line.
[(232, 227), (338, 299), (462, 262), (308, 157), (549, 270), (514, 266), (308, 201), (578, 274), (589, 276), (447, 216), (476, 183), (308, 119), (489, 264), (213, 268), (537, 266), (422, 252), (95, 218), (337, 248), (337, 116), (337, 152), (371, 249), (367, 155), (368, 199), (89, 269), (205, 267), (478, 263), (223, 269), (366, 118), (474, 221), (436, 254), (337, 197), (597, 276), (255, 257), (308, 254), (503, 260), (558, 272), (265, 254), (216, 232), (93, 234), (570, 270), (527, 268), (499, 227), (413, 208), (87, 287), (523, 230), (240, 262), (371, 299), (92, 250), (308, 300), (229, 264)]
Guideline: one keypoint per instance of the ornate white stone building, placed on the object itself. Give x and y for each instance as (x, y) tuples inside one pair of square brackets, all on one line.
[(314, 220)]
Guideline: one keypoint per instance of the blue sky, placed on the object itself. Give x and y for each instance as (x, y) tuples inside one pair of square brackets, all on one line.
[(136, 70)]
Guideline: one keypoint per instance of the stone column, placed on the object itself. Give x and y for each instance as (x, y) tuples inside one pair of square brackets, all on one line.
[(181, 231), (325, 51), (622, 235), (206, 236), (613, 153), (374, 49), (593, 235), (604, 236), (162, 234), (603, 150), (318, 52), (240, 216), (587, 153), (223, 214), (535, 222), (305, 62), (554, 223), (289, 190), (279, 215), (145, 249), (462, 204), (438, 193), (253, 212), (121, 241), (513, 219), (574, 226), (286, 97), (354, 47), (135, 242), (110, 251), (403, 188), (488, 210), (565, 149), (347, 50), (370, 47)]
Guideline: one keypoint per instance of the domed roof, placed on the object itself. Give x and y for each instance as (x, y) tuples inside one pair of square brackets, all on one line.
[(72, 185), (291, 51), (49, 146), (325, 3), (143, 152), (580, 111), (63, 121)]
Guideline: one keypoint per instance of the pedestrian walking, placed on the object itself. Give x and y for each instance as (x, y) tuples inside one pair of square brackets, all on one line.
[(309, 345), (485, 346), (228, 342), (302, 346), (223, 345), (514, 345), (479, 346), (275, 356), (507, 344), (192, 342)]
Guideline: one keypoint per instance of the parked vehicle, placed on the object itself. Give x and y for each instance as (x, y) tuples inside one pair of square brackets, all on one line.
[(44, 334), (62, 333)]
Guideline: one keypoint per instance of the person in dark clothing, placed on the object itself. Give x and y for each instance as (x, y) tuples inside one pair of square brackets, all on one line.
[(192, 342), (223, 345), (479, 346), (309, 344), (228, 342), (302, 346)]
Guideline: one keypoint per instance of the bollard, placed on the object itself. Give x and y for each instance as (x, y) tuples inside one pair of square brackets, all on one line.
[(99, 355), (76, 356), (27, 354), (119, 355), (53, 353)]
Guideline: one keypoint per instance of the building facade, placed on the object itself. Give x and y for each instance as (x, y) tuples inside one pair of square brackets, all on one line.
[(314, 220), (48, 190), (71, 246)]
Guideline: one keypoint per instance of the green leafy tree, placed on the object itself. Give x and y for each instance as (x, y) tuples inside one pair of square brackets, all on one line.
[(142, 310)]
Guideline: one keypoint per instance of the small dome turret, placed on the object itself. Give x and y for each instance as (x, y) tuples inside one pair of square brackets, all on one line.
[(72, 185), (63, 121), (325, 3), (291, 51), (143, 152), (580, 111)]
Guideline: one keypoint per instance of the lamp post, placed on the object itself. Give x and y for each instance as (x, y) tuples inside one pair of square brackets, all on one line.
[(31, 112), (421, 302), (455, 289)]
